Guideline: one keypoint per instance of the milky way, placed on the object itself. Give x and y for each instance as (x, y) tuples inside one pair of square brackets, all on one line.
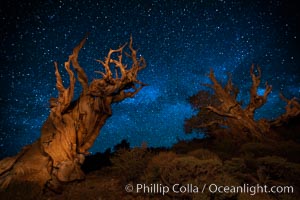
[(180, 40)]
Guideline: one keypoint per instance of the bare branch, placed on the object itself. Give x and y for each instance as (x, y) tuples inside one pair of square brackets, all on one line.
[(123, 95), (211, 123), (102, 73), (255, 79), (59, 84), (65, 94), (230, 88), (283, 98), (221, 113), (120, 65), (256, 101), (82, 77), (292, 110), (267, 91), (70, 89), (108, 60)]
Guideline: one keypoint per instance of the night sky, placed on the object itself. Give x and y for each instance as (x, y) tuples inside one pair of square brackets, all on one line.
[(180, 40)]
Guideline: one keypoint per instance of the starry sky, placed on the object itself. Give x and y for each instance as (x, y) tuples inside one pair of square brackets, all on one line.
[(180, 40)]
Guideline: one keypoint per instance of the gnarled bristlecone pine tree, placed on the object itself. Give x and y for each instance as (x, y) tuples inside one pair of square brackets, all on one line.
[(220, 111), (72, 126)]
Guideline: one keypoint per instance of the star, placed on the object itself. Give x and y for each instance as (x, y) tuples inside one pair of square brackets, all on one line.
[(180, 40)]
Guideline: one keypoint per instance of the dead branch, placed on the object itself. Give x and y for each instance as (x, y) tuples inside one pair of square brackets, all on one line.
[(256, 101), (292, 109)]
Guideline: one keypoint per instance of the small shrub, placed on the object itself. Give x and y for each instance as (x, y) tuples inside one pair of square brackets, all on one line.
[(188, 169), (153, 171), (289, 150), (257, 149), (22, 190), (204, 154), (235, 166), (130, 164), (168, 168), (226, 148), (279, 168)]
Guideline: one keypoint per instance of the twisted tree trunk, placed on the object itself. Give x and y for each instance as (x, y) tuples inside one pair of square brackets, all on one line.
[(240, 121), (228, 112), (73, 126)]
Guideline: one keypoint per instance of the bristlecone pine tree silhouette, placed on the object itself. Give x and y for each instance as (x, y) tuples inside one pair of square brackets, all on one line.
[(73, 126), (220, 112)]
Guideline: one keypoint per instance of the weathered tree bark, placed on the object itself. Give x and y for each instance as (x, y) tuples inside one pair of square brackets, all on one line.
[(240, 121), (73, 126), (225, 111)]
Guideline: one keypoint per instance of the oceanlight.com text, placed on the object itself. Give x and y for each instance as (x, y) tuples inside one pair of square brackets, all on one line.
[(158, 188)]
